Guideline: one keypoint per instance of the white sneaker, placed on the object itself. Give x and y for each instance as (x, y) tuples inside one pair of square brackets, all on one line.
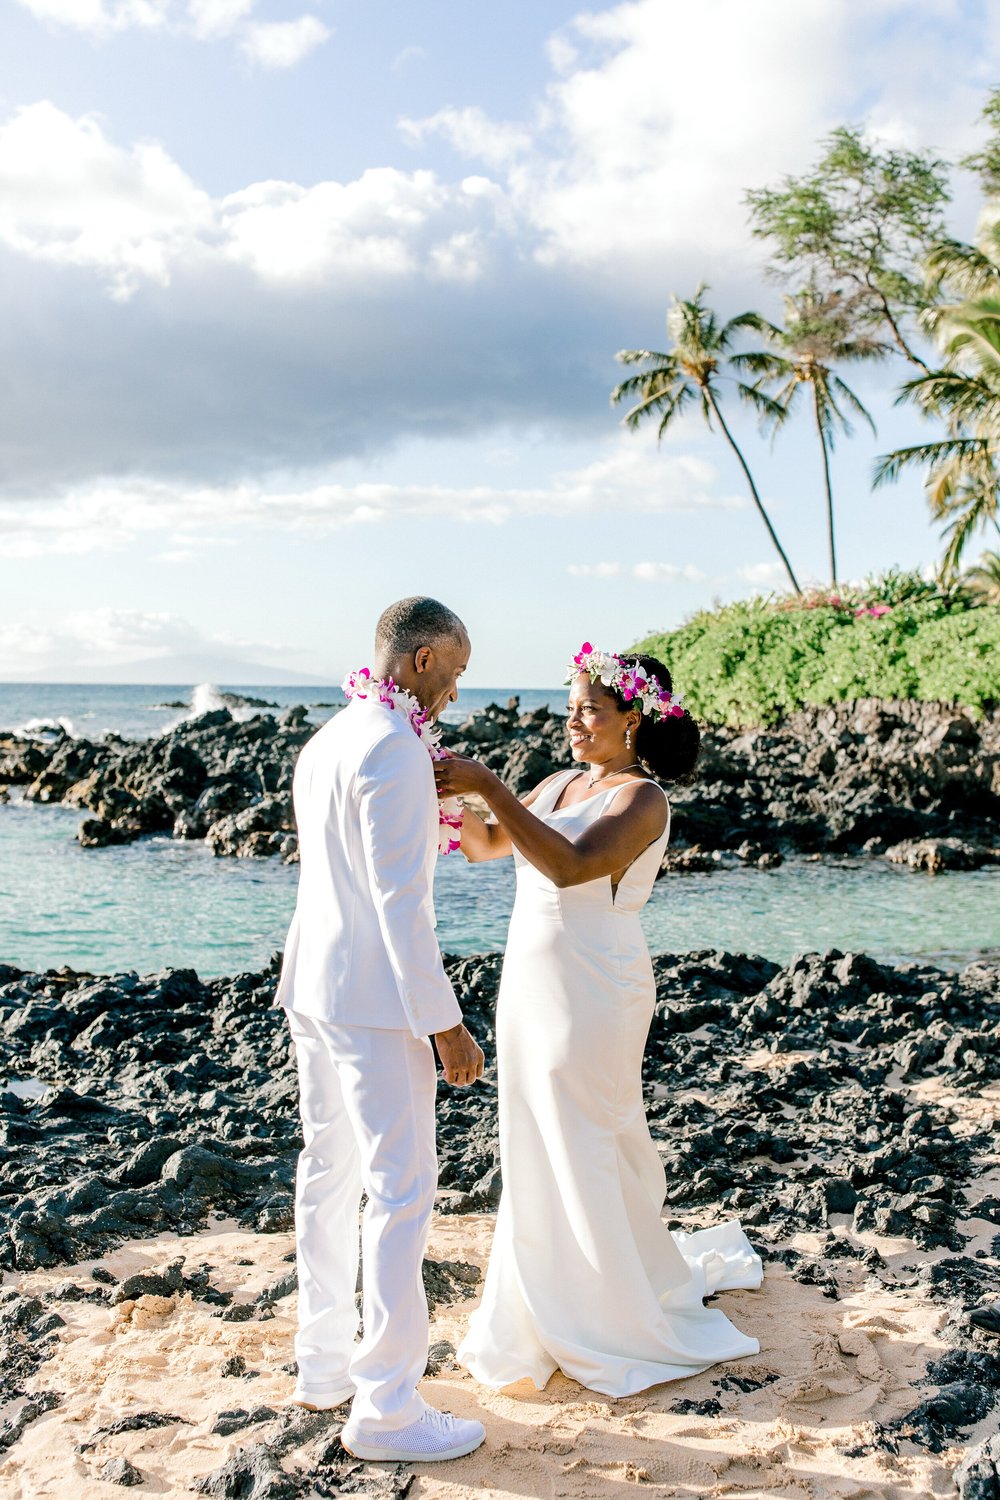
[(320, 1400), (435, 1436)]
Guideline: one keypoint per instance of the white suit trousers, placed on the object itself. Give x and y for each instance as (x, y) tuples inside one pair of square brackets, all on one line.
[(367, 1104)]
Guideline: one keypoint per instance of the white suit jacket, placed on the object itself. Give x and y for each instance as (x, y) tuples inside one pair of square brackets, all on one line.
[(361, 949)]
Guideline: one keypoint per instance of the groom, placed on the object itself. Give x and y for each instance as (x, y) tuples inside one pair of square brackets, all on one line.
[(364, 990)]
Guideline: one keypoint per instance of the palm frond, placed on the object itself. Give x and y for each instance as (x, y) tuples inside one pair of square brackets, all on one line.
[(760, 362), (967, 269), (674, 409), (853, 351), (642, 383), (828, 413), (854, 401), (984, 578), (890, 465), (959, 533), (965, 400), (653, 403), (969, 412), (752, 320), (964, 484), (766, 407), (972, 331), (638, 356)]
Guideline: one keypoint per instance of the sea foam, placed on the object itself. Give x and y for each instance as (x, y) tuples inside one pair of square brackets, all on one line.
[(207, 697), (45, 729)]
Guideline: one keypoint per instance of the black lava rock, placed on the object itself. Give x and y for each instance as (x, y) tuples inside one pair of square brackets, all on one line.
[(978, 1475), (121, 1145), (916, 781), (228, 1422), (120, 1471)]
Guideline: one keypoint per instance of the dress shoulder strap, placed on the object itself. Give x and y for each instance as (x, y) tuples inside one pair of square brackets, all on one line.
[(666, 798), (650, 782), (556, 786)]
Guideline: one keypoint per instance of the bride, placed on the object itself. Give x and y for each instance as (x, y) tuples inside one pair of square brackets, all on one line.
[(584, 1276)]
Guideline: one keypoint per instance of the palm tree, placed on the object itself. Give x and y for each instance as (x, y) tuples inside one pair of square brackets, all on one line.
[(963, 479), (816, 336), (968, 270), (692, 371), (984, 578)]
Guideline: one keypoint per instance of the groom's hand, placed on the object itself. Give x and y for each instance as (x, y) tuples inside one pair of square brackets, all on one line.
[(461, 1056)]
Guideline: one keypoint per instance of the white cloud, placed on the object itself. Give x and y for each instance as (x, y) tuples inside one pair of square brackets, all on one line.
[(470, 132), (110, 516), (625, 167), (638, 476), (97, 639), (386, 223), (211, 19), (632, 165), (98, 17), (661, 572), (649, 166), (84, 15), (621, 173), (647, 572), (283, 44), (765, 575), (406, 55), (291, 323), (109, 630), (460, 258), (562, 53), (596, 570), (69, 196), (268, 44)]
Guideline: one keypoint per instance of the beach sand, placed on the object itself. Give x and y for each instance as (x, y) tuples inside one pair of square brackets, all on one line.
[(801, 1426)]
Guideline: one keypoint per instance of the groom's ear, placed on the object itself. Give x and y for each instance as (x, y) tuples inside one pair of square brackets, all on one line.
[(422, 658)]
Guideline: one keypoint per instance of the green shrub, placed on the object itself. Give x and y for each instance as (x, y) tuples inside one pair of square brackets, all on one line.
[(755, 661)]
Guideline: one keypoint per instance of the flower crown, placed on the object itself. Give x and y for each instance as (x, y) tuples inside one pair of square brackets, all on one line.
[(637, 687)]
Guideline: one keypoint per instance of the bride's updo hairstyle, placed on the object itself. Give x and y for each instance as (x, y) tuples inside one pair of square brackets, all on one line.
[(666, 747)]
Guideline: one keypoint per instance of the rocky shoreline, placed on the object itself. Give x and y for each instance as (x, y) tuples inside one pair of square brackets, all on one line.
[(833, 1105), (918, 783)]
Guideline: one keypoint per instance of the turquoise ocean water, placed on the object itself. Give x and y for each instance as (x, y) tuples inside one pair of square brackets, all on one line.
[(158, 903)]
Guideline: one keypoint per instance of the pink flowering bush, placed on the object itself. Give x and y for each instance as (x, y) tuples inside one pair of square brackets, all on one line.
[(898, 636)]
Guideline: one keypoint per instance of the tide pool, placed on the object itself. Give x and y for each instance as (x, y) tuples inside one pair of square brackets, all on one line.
[(162, 903)]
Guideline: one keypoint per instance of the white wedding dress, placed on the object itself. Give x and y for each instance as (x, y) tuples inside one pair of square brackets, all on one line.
[(584, 1276)]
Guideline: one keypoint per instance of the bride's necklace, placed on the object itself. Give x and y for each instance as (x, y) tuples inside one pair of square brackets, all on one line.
[(594, 779)]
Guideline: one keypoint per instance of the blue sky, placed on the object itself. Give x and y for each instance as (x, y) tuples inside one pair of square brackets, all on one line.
[(303, 308)]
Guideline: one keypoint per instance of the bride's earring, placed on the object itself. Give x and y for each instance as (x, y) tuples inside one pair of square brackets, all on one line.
[(628, 738)]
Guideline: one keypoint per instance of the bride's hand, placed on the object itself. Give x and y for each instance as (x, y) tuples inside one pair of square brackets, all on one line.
[(456, 776)]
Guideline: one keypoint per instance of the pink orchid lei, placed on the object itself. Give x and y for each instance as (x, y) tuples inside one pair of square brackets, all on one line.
[(362, 684), (636, 686)]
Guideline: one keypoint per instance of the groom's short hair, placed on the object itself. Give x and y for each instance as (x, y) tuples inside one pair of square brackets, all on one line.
[(411, 623)]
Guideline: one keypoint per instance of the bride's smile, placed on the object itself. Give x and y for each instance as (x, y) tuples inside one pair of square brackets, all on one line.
[(595, 728)]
